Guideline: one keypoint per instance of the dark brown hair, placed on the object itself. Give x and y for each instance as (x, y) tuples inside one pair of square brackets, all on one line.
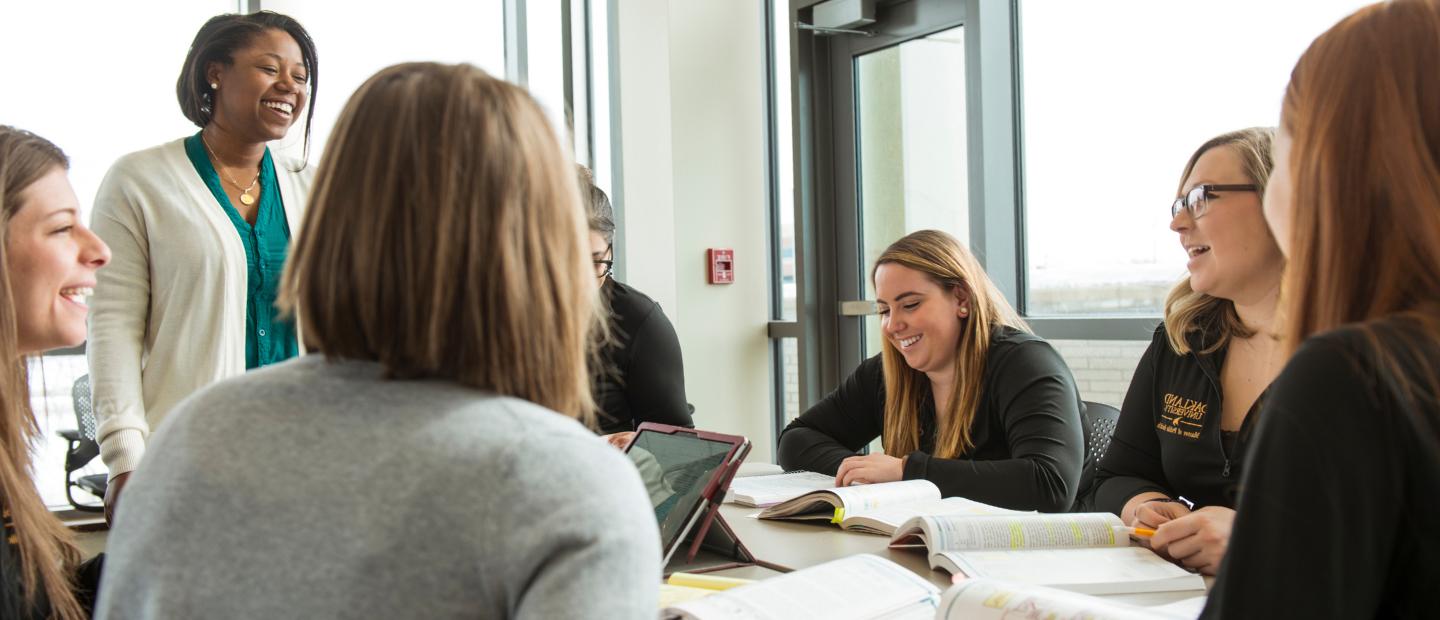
[(597, 205), (218, 40)]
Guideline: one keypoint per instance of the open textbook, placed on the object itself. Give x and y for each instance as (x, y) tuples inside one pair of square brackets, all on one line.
[(1088, 552), (868, 587), (765, 491), (994, 599), (859, 587), (877, 508)]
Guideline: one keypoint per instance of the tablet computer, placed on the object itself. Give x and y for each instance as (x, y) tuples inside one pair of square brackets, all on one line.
[(686, 472)]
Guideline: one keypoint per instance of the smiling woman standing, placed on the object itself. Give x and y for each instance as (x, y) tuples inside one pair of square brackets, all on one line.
[(200, 228), (962, 394)]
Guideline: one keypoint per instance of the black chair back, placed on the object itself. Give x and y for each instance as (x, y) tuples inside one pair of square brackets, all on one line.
[(1098, 422)]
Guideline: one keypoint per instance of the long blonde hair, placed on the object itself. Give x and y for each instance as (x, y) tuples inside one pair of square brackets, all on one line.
[(48, 556), (445, 238), (1188, 311), (1365, 171), (948, 264)]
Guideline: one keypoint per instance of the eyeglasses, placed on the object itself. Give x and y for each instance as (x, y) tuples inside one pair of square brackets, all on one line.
[(604, 267), (1197, 200)]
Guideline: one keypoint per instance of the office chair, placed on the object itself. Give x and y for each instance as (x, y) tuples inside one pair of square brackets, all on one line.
[(1098, 424), (82, 449)]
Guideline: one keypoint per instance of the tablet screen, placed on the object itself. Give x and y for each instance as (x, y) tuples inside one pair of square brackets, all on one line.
[(676, 468)]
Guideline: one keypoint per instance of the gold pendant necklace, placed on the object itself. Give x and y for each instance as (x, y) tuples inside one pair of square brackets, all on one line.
[(245, 197)]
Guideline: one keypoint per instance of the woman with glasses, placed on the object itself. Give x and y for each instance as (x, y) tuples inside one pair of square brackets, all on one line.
[(1338, 507), (642, 375), (1179, 445), (962, 394)]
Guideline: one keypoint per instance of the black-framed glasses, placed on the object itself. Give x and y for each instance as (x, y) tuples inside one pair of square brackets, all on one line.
[(1197, 200), (604, 266)]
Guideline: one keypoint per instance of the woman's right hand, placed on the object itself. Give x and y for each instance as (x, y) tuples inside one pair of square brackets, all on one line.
[(112, 496), (1154, 513)]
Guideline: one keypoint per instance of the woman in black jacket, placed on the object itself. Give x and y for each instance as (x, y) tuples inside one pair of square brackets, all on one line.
[(1183, 426), (1338, 507), (963, 395), (642, 374)]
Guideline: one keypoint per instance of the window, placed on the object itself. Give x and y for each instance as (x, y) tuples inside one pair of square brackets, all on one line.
[(1116, 97), (99, 87), (356, 39), (99, 84)]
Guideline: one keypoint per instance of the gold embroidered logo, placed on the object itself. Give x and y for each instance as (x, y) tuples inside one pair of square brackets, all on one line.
[(1182, 416)]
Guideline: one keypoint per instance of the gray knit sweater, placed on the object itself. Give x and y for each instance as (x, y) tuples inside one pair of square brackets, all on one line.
[(315, 489)]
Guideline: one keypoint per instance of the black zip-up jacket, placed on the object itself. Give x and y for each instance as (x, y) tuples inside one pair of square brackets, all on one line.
[(1338, 509), (1168, 436), (642, 377), (1027, 432)]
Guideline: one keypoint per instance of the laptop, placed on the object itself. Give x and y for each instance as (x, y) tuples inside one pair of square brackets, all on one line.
[(686, 473)]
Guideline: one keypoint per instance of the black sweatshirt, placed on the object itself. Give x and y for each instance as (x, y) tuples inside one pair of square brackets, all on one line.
[(1168, 436), (643, 376), (1339, 507), (12, 594), (1027, 433)]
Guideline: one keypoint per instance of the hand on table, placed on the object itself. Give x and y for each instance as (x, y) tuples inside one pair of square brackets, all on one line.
[(869, 469), (619, 440)]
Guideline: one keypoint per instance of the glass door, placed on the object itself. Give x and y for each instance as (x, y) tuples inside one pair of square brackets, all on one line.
[(910, 135), (895, 100)]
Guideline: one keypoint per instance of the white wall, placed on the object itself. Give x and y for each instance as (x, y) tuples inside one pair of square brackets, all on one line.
[(692, 115)]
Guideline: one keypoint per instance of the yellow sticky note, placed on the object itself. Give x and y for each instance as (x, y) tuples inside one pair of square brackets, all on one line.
[(839, 515), (707, 582)]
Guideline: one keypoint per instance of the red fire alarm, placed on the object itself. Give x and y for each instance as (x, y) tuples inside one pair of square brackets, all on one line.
[(722, 265)]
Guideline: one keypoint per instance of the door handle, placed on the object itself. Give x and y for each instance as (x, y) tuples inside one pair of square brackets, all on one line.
[(859, 307)]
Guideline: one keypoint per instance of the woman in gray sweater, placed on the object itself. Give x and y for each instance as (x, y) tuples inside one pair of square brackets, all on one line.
[(425, 460)]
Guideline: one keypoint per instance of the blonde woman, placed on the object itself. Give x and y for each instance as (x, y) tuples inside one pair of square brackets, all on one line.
[(1186, 419), (201, 227), (962, 394), (1338, 506), (47, 264), (426, 461)]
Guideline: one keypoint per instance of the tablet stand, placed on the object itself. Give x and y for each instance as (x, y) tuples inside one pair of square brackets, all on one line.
[(712, 545)]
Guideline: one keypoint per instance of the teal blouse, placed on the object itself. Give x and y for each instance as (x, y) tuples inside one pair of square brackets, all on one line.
[(268, 339)]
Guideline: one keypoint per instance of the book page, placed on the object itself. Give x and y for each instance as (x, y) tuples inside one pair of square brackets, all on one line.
[(1093, 571), (671, 595), (865, 497), (1032, 531), (859, 586), (992, 599), (887, 519), (763, 491)]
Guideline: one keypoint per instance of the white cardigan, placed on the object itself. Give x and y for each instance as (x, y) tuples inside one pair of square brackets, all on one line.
[(168, 314)]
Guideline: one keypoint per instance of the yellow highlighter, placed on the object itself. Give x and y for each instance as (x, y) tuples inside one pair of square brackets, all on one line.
[(1143, 532), (706, 582)]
